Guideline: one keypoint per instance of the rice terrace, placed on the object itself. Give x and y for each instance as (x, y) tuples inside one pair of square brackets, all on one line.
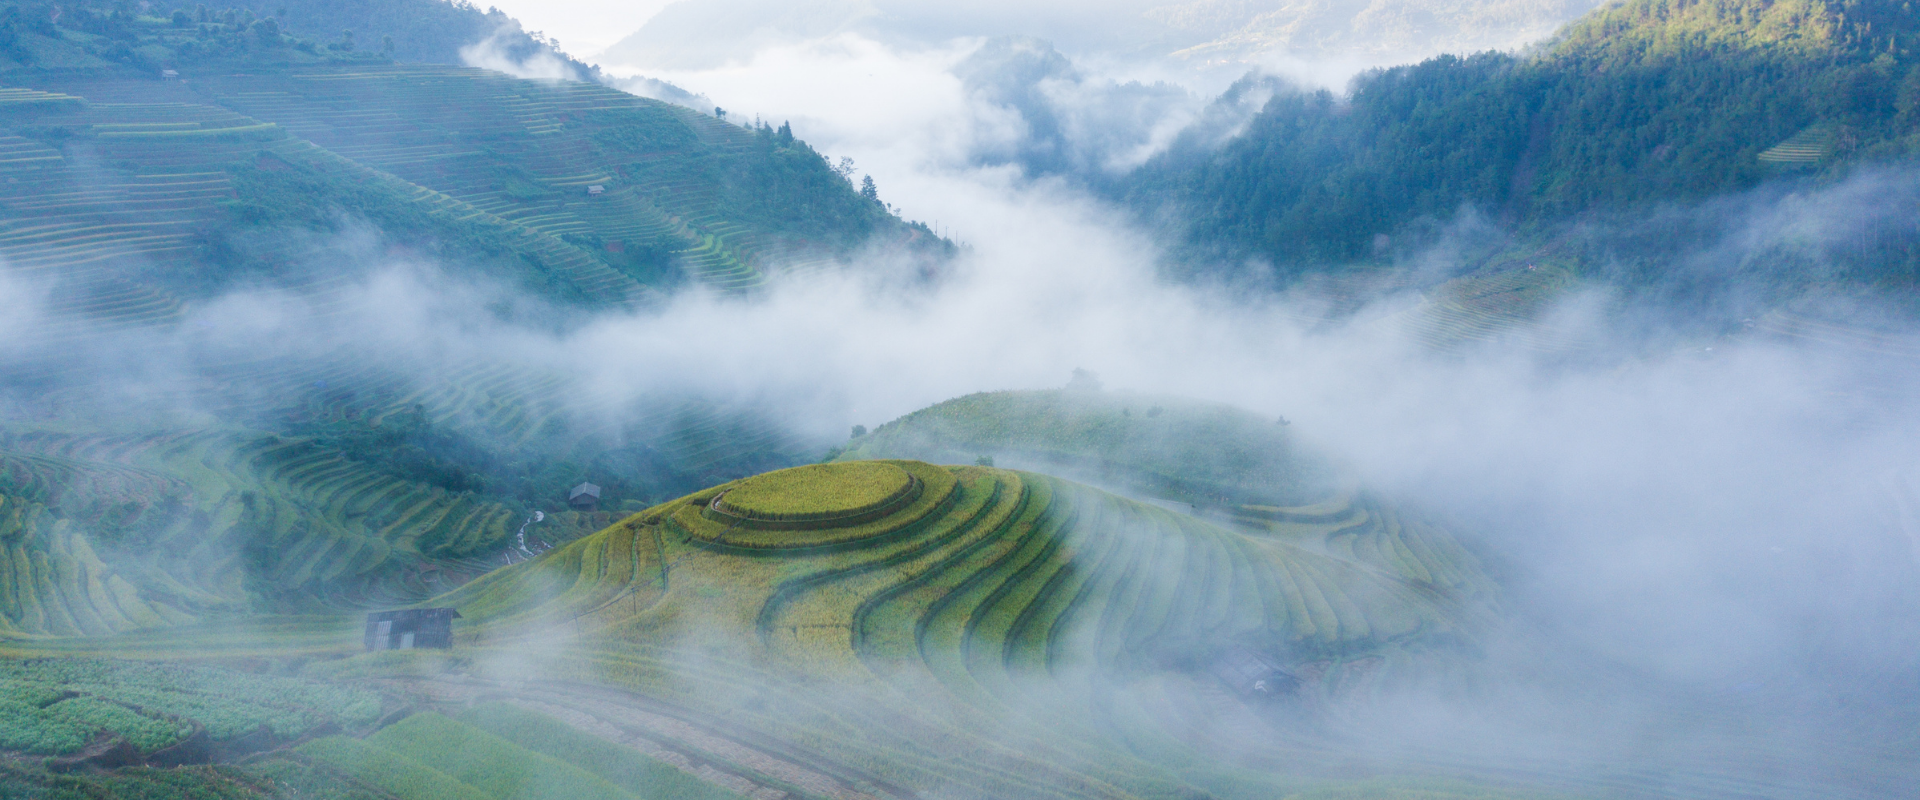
[(1397, 401)]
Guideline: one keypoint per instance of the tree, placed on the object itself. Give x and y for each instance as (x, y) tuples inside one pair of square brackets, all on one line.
[(868, 190)]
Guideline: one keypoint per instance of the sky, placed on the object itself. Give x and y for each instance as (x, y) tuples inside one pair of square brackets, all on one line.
[(584, 27)]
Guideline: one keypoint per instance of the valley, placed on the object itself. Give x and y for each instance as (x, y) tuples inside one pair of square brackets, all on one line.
[(396, 406)]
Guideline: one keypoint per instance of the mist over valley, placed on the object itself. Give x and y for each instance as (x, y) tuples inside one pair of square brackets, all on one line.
[(720, 399)]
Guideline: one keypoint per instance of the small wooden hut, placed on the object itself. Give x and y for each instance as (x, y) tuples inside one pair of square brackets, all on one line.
[(411, 629), (585, 497)]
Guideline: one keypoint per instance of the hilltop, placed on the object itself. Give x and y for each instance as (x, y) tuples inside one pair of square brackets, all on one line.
[(1167, 447)]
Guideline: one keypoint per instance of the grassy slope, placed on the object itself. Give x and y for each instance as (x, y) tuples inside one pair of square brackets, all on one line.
[(1162, 446), (799, 490), (633, 772)]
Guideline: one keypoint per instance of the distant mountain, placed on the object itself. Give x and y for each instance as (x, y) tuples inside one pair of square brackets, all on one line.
[(698, 34), (1639, 103), (1252, 31)]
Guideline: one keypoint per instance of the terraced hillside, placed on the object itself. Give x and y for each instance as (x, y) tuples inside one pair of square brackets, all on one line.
[(1221, 463), (109, 534), (132, 201), (129, 197), (1504, 302), (1003, 593), (601, 193)]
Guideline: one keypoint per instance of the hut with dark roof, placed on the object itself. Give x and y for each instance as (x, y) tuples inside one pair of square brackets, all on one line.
[(585, 497), (411, 629)]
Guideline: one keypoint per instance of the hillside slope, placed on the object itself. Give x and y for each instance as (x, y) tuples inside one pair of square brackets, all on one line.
[(1218, 462), (191, 469), (994, 592), (483, 166), (1637, 104)]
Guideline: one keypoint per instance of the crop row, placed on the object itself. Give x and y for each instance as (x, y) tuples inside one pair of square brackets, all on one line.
[(1506, 304), (1849, 337), (419, 124), (1423, 558), (299, 516), (14, 98)]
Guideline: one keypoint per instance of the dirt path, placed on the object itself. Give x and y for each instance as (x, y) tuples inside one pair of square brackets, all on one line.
[(663, 732)]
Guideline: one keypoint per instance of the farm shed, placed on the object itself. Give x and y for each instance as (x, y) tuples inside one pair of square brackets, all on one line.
[(1253, 674), (585, 497), (411, 628)]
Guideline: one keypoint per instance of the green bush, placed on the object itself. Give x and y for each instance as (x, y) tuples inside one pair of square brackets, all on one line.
[(28, 728), (22, 782), (226, 702), (144, 732)]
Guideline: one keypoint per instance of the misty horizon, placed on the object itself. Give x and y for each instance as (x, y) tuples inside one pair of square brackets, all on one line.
[(1673, 439)]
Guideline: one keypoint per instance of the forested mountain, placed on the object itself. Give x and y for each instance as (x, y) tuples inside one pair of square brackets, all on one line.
[(1637, 104)]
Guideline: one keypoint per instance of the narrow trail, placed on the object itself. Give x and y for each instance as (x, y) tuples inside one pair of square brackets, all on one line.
[(712, 753)]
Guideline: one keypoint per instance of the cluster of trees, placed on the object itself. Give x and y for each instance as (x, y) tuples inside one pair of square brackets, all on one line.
[(432, 31), (783, 183), (149, 39), (16, 22), (1640, 103)]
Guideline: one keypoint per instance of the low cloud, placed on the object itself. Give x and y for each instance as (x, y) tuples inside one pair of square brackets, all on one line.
[(508, 50)]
